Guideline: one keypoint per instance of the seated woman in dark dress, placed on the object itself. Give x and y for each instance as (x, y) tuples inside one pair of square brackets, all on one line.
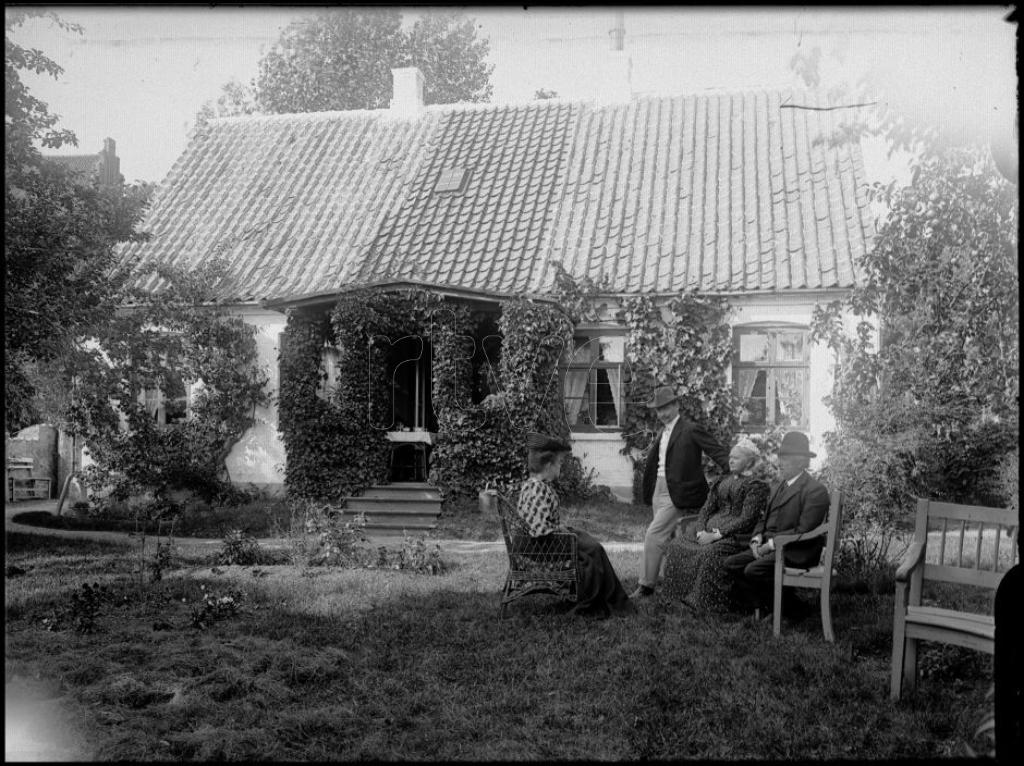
[(600, 592), (694, 573)]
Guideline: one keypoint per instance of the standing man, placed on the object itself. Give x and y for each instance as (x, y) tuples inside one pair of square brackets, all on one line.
[(797, 504), (674, 482)]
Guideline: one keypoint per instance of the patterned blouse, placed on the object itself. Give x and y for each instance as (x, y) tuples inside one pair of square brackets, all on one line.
[(538, 507), (734, 505)]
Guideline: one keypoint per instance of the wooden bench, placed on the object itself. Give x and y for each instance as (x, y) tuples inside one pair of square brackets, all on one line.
[(962, 544)]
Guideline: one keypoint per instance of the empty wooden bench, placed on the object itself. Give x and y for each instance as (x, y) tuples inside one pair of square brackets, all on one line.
[(964, 544)]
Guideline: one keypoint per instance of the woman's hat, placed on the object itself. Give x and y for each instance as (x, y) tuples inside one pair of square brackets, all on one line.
[(662, 395), (540, 441), (795, 443)]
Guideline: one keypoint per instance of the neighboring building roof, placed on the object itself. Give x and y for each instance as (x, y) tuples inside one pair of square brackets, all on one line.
[(105, 164), (723, 193)]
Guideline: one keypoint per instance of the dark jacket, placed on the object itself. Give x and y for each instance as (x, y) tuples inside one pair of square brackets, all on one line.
[(685, 477), (796, 509)]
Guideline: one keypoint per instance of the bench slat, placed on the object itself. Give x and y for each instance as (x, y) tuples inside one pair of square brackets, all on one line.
[(982, 578), (977, 550), (976, 513), (930, 624)]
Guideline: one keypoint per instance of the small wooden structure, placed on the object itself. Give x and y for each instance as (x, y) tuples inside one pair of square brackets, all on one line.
[(963, 544), (21, 484)]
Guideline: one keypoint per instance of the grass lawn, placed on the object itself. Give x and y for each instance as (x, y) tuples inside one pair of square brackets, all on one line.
[(332, 664)]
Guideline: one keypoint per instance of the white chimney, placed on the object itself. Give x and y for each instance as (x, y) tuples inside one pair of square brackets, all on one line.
[(616, 68), (406, 92)]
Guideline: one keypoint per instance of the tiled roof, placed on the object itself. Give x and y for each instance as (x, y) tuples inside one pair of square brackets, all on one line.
[(725, 193), (77, 163), (720, 193)]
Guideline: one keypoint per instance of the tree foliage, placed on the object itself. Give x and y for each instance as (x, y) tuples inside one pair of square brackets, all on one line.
[(167, 342), (928, 404), (60, 233), (938, 395), (341, 59), (235, 99)]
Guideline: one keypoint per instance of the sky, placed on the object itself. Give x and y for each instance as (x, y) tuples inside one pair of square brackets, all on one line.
[(139, 74)]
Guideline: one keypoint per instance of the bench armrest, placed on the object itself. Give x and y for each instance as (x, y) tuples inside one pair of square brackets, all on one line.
[(911, 560), (819, 531)]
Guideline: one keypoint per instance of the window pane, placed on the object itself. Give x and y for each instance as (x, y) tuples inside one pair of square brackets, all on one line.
[(753, 348), (612, 348), (791, 347), (789, 397), (606, 414), (575, 395), (751, 386)]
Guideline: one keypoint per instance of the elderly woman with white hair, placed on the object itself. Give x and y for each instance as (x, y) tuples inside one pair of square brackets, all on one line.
[(694, 571)]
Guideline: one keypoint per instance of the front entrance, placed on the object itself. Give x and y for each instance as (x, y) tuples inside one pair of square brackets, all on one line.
[(413, 423)]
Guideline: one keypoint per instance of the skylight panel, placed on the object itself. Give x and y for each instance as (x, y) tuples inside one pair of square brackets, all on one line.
[(452, 179)]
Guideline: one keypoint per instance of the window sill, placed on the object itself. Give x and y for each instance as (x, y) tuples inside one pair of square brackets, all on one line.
[(596, 435)]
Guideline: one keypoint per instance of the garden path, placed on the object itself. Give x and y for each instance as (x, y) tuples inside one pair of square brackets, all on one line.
[(50, 506)]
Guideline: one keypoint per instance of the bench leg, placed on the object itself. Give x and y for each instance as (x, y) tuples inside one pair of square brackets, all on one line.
[(826, 615), (896, 680), (910, 664), (777, 609)]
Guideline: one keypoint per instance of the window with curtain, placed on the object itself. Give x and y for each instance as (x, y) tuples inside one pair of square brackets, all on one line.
[(169, 410), (330, 356), (592, 382), (771, 375)]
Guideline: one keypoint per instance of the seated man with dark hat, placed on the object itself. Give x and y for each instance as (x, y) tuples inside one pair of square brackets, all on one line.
[(600, 592), (797, 503)]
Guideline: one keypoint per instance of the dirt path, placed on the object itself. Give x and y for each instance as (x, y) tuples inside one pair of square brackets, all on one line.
[(50, 506)]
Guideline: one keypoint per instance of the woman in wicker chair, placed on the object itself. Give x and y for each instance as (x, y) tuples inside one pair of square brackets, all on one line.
[(694, 573), (600, 592)]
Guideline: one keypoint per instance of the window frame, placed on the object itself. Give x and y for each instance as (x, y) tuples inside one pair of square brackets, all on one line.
[(773, 364), (592, 367)]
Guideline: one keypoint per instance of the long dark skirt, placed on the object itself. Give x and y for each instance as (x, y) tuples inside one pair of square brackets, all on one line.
[(600, 591), (696, 573)]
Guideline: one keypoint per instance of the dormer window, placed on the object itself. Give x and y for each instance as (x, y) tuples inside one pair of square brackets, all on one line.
[(452, 179)]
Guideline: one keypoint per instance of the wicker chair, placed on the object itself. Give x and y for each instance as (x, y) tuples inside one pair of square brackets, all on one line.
[(535, 565)]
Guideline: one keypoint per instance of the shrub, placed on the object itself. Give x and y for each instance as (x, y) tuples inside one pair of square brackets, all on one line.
[(1008, 480), (213, 607), (322, 536), (162, 560), (414, 556), (85, 606), (240, 548)]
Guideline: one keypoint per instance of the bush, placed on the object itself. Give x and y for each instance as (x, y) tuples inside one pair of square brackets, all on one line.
[(413, 556), (1008, 480), (240, 548), (322, 536)]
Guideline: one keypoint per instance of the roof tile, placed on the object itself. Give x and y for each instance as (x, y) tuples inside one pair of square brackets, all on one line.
[(729, 192)]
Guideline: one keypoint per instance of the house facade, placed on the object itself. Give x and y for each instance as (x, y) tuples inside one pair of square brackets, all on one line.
[(739, 195)]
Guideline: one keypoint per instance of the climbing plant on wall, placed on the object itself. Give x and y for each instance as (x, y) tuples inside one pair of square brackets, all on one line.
[(336, 445), (482, 444), (687, 344)]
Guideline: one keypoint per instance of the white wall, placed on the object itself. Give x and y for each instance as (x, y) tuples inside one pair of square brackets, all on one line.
[(259, 456), (601, 451)]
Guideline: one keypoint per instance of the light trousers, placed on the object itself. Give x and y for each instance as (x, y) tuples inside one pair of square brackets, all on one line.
[(659, 533)]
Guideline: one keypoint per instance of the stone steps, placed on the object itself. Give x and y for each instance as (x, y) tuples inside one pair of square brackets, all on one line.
[(392, 509)]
